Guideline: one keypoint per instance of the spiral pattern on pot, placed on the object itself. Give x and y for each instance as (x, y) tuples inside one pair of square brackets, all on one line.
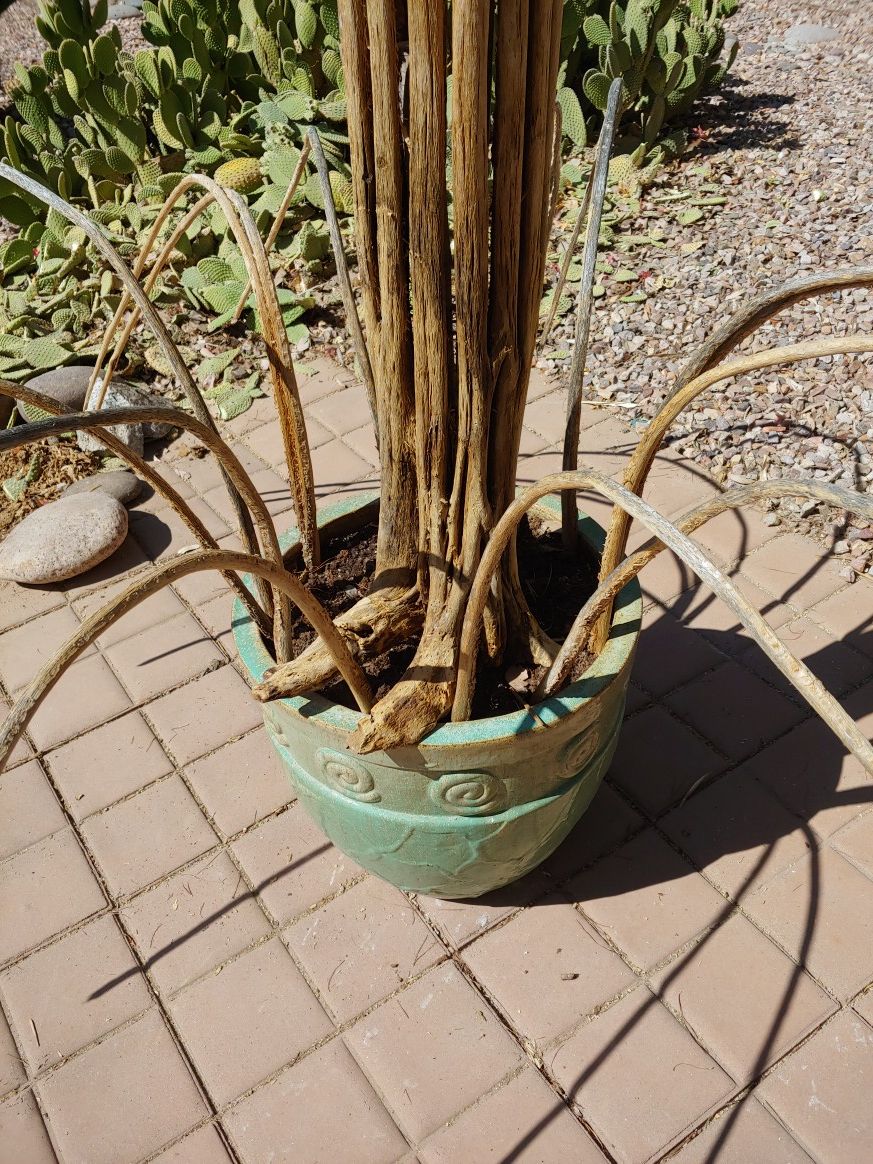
[(579, 750), (275, 727), (347, 776), (469, 793)]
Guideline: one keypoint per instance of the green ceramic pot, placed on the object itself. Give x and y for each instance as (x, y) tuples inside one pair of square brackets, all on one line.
[(475, 805)]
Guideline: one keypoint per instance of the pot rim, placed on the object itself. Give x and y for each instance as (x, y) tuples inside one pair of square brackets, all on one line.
[(611, 662)]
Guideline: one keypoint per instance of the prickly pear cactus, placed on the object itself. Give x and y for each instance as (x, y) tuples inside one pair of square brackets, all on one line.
[(667, 53), (241, 174)]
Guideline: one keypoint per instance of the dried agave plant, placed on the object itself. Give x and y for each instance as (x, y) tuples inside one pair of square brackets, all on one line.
[(450, 305)]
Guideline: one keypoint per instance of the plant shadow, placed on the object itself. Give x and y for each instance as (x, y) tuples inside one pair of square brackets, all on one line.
[(740, 118)]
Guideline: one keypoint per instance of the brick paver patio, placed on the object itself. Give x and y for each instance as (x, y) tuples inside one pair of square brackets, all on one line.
[(189, 972)]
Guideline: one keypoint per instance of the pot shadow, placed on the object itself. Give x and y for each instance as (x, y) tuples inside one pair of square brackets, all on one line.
[(745, 811)]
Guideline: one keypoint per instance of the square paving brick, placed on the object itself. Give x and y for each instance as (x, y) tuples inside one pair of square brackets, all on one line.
[(322, 1111), (22, 750), (665, 578), (432, 1050), (73, 992), (85, 695), (29, 809), (99, 767), (810, 773), (292, 864), (319, 377), (531, 468), (202, 474), (363, 442), (268, 1016), (546, 969), (155, 610), (459, 921), (794, 570), (848, 614), (659, 759), (638, 1077), (733, 535), (26, 649), (336, 466), (164, 534), (539, 384), (751, 1135), (822, 1091), (194, 920), (19, 603), (200, 587), (669, 654), (274, 491), (840, 947), (201, 1147), (855, 841), (742, 998), (735, 709), (11, 1070), (153, 833), (863, 1004), (216, 616), (712, 618), (606, 823), (547, 415), (673, 488), (362, 946), (837, 665), (268, 444), (342, 411), (647, 899), (524, 1122), (43, 890), (22, 1133), (737, 834), (204, 714), (124, 1098), (163, 656), (241, 782)]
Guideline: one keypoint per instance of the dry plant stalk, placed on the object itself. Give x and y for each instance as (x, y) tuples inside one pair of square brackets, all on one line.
[(452, 331), (150, 583)]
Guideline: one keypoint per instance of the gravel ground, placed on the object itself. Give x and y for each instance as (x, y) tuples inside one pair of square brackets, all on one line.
[(19, 40), (787, 143)]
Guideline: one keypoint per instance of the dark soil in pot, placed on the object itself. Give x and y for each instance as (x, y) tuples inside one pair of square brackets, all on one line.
[(556, 585)]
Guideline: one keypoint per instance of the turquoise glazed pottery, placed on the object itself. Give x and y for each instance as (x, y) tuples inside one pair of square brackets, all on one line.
[(475, 805)]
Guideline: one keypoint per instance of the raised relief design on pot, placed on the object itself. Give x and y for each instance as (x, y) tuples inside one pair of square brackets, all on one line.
[(347, 776), (469, 793), (275, 728), (580, 750)]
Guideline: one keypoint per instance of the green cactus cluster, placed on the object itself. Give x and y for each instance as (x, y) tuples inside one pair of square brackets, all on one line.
[(92, 120), (231, 87), (667, 53), (52, 292)]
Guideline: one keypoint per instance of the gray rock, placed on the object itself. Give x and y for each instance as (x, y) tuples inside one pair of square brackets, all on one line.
[(66, 385), (121, 484), (123, 11), (119, 393), (63, 539), (129, 434), (801, 34)]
